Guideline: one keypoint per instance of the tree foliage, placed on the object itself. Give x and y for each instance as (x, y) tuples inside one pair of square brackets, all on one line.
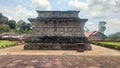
[(4, 28), (18, 24), (12, 24), (101, 26), (114, 37), (3, 19), (25, 26), (28, 26)]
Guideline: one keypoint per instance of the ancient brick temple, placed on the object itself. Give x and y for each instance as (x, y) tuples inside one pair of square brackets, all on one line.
[(57, 30)]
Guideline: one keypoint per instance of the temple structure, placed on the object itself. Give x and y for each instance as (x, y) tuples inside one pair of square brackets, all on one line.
[(56, 30)]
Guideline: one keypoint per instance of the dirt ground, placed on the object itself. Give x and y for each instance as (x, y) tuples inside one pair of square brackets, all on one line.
[(96, 50), (99, 57), (57, 61)]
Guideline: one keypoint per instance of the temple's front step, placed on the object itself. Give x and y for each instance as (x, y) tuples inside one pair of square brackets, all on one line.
[(50, 46), (55, 39), (56, 46), (55, 43)]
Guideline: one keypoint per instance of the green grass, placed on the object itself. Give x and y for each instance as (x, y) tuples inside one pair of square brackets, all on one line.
[(6, 43), (113, 45)]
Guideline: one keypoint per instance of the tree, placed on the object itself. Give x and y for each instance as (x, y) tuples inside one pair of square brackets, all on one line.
[(114, 37), (101, 26), (28, 26), (3, 19), (23, 26), (18, 24), (4, 28), (12, 24)]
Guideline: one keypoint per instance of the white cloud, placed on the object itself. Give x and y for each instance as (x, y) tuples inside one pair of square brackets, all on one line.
[(41, 4), (20, 12), (78, 5), (59, 1), (117, 7), (100, 10), (101, 5), (91, 26), (23, 13), (113, 25), (94, 7), (17, 13), (97, 15)]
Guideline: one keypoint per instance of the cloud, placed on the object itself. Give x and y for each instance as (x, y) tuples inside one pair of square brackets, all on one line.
[(78, 5), (17, 13), (92, 26), (97, 15), (41, 4), (96, 8), (113, 25), (23, 12), (117, 7), (59, 1), (101, 5)]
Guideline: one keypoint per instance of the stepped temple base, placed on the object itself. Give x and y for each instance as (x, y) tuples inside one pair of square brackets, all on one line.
[(55, 43)]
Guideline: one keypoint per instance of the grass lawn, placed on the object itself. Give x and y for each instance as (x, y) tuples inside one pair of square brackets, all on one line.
[(113, 45), (6, 43)]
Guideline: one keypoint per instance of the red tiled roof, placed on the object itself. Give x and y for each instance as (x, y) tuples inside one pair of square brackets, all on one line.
[(87, 34)]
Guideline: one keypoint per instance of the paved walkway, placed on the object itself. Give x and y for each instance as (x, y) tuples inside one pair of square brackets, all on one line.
[(99, 57), (45, 61), (96, 50)]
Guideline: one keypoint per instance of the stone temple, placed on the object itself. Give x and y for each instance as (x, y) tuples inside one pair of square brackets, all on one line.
[(57, 30)]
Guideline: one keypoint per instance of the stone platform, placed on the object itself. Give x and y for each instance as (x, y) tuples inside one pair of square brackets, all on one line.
[(55, 43), (57, 30)]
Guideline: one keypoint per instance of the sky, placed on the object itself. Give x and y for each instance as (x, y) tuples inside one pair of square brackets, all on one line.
[(93, 10)]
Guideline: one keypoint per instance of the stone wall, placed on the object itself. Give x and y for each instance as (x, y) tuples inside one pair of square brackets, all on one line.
[(60, 28)]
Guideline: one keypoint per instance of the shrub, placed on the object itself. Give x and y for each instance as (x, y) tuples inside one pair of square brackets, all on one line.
[(6, 43), (117, 47), (113, 45)]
